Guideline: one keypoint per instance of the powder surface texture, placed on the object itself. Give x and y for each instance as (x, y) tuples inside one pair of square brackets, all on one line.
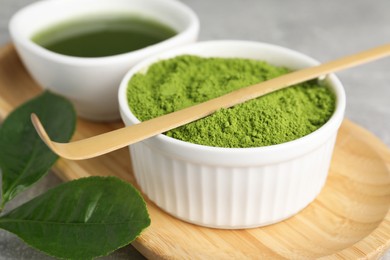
[(279, 117)]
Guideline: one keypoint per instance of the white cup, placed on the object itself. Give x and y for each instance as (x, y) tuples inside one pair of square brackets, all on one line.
[(92, 83), (234, 188)]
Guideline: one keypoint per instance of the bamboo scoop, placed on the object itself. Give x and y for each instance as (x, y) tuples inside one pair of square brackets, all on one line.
[(107, 142)]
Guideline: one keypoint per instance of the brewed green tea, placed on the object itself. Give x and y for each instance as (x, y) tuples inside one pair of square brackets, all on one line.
[(99, 36)]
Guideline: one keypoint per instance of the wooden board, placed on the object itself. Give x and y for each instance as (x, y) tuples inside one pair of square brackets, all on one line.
[(349, 219)]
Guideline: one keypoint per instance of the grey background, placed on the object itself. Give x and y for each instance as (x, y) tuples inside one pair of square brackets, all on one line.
[(324, 30)]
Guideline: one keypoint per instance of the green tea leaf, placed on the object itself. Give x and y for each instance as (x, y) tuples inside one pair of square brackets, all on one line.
[(81, 219), (24, 158)]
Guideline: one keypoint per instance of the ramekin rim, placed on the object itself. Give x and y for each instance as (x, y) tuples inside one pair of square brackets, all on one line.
[(335, 119)]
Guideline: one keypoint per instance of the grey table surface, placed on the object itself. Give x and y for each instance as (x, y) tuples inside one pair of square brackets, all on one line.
[(324, 30)]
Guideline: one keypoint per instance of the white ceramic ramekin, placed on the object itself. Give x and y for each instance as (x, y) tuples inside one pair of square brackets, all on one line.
[(92, 83), (234, 187)]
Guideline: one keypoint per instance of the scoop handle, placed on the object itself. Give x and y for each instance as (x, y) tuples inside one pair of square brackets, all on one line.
[(107, 142)]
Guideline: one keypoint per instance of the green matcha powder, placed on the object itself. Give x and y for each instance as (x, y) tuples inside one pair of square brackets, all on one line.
[(183, 81)]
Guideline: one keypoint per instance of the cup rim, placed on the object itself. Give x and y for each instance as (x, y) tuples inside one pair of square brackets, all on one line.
[(334, 121), (191, 29)]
